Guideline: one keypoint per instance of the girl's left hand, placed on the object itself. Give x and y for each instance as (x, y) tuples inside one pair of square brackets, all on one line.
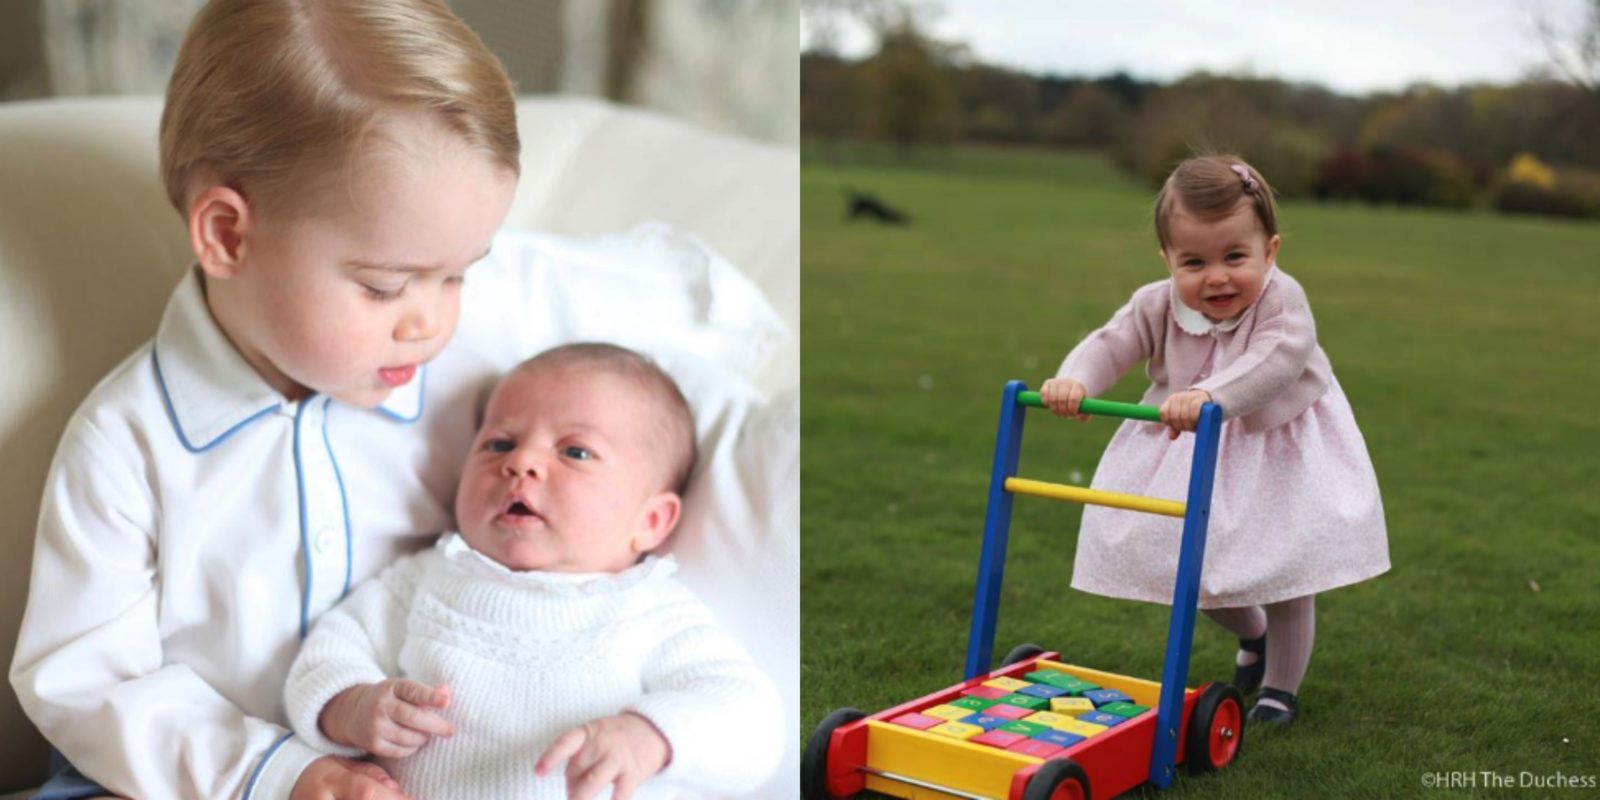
[(1181, 411)]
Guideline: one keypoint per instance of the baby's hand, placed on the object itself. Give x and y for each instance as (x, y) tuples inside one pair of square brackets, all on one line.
[(622, 750), (1181, 411), (1063, 396), (335, 778), (392, 718)]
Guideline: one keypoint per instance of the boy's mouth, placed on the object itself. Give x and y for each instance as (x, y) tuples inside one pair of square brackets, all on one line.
[(397, 376)]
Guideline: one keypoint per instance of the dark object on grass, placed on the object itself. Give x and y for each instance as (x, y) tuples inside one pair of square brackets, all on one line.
[(865, 205)]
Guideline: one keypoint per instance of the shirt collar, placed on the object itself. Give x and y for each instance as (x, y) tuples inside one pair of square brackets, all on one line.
[(456, 550), (1192, 321), (210, 390)]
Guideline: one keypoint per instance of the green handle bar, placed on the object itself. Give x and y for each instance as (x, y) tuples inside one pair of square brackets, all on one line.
[(1104, 408)]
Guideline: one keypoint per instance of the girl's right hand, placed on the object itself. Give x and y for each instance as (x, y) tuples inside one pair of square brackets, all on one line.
[(335, 778), (1063, 396), (392, 718)]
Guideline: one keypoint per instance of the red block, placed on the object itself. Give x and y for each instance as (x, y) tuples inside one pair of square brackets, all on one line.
[(1035, 748), (915, 721), (998, 738), (985, 692), (1008, 712)]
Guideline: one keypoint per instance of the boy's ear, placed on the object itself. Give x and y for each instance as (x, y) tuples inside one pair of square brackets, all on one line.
[(219, 219), (657, 519)]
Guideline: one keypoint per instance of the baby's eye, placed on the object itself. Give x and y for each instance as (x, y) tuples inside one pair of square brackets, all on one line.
[(577, 452), (1193, 263), (499, 446), (1235, 256), (455, 280)]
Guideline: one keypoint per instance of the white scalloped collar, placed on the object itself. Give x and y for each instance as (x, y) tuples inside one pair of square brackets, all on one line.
[(456, 549), (1192, 321)]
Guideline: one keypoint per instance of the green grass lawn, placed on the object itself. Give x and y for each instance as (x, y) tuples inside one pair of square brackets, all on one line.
[(1468, 343)]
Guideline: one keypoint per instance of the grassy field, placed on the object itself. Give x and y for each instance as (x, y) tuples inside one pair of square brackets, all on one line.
[(1467, 343)]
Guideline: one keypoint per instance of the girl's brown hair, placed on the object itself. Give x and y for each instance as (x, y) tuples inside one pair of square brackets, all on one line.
[(270, 96), (1212, 186)]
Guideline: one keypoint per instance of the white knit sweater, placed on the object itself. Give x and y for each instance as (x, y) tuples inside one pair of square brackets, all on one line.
[(531, 655)]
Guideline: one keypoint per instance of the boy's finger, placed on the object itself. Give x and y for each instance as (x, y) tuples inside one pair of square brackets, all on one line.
[(415, 693), (560, 750)]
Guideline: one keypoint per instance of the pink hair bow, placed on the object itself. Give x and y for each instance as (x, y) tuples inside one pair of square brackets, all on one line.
[(1244, 174)]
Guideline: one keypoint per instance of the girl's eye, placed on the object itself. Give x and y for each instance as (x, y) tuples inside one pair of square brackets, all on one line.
[(1235, 256), (577, 453), (455, 280), (499, 446), (1193, 263)]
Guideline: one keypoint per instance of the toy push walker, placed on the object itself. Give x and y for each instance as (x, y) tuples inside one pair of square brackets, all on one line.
[(1037, 728)]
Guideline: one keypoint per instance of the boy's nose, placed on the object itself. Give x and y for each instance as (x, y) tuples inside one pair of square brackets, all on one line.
[(419, 324)]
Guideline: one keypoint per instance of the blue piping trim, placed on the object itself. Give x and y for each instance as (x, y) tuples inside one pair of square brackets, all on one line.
[(305, 543), (422, 395), (344, 500), (262, 764), (172, 413)]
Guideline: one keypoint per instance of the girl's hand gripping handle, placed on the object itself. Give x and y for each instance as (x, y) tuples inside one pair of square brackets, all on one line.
[(1063, 396)]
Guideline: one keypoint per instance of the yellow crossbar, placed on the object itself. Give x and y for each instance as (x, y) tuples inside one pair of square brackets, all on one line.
[(1078, 494)]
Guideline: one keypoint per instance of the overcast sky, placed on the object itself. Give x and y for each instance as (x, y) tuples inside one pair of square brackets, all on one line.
[(1354, 46)]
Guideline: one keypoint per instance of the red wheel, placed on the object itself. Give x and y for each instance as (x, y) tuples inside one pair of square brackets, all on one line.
[(1216, 729), (1058, 779)]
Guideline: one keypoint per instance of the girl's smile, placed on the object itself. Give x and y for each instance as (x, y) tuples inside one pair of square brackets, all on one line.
[(1219, 264)]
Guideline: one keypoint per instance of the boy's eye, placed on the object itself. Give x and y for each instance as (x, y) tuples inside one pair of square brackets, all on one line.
[(377, 293), (499, 446), (577, 453), (455, 280)]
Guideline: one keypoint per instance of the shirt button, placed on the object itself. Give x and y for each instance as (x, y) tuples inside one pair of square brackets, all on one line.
[(325, 540)]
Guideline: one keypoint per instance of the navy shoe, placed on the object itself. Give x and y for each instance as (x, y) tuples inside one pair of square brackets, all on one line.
[(1273, 716), (1248, 679)]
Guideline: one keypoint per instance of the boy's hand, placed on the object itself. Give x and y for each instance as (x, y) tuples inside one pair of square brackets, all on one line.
[(335, 778), (392, 718), (622, 750), (1181, 411), (1063, 396)]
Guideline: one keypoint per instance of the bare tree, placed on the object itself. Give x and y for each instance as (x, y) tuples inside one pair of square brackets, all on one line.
[(1574, 55)]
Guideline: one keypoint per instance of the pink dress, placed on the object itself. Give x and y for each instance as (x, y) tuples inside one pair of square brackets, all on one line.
[(1295, 508)]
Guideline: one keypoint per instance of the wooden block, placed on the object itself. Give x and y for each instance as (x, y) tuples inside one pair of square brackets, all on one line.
[(985, 692), (1058, 738), (956, 730), (1028, 729), (1048, 718), (916, 721), (1000, 739), (1007, 711), (974, 703), (1035, 747), (1008, 684), (1104, 696), (1044, 690), (986, 721), (1027, 701), (1071, 706), (1102, 718), (948, 712), (1081, 728), (1123, 709)]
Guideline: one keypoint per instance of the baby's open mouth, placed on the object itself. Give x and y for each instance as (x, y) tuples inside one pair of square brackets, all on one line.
[(519, 509), (1221, 299)]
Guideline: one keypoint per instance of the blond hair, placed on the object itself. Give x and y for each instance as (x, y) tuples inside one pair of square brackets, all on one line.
[(673, 432), (1210, 187), (270, 96)]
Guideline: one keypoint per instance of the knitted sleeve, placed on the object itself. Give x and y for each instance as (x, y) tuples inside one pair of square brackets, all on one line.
[(1132, 335), (356, 642), (1280, 345), (721, 715)]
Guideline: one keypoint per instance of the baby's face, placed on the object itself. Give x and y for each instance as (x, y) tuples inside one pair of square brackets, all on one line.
[(350, 300), (563, 476), (1219, 265)]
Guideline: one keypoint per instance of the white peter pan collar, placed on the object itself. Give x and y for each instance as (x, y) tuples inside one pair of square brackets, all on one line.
[(455, 549), (1194, 322), (210, 390)]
